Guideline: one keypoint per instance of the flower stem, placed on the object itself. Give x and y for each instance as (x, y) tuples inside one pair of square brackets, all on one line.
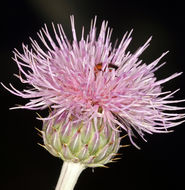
[(69, 175)]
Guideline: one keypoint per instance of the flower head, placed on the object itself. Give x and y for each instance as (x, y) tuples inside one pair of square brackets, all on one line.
[(90, 79)]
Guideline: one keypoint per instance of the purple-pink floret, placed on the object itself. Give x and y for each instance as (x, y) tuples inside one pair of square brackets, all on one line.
[(63, 77)]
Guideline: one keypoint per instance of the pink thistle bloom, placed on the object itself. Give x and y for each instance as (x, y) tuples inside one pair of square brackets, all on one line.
[(91, 78)]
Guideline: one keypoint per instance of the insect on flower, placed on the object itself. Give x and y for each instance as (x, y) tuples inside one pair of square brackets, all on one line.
[(98, 67)]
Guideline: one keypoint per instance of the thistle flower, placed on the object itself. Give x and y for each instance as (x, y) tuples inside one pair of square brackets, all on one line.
[(94, 89)]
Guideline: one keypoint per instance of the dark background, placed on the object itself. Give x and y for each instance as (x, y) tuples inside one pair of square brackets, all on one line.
[(160, 164)]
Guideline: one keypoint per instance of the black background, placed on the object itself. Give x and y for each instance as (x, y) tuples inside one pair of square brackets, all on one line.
[(160, 164)]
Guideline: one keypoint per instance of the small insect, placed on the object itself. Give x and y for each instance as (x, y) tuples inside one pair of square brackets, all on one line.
[(98, 67)]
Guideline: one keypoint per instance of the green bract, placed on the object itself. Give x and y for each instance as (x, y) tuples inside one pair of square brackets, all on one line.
[(79, 143)]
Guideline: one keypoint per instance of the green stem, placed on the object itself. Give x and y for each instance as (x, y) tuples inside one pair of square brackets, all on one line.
[(69, 175)]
